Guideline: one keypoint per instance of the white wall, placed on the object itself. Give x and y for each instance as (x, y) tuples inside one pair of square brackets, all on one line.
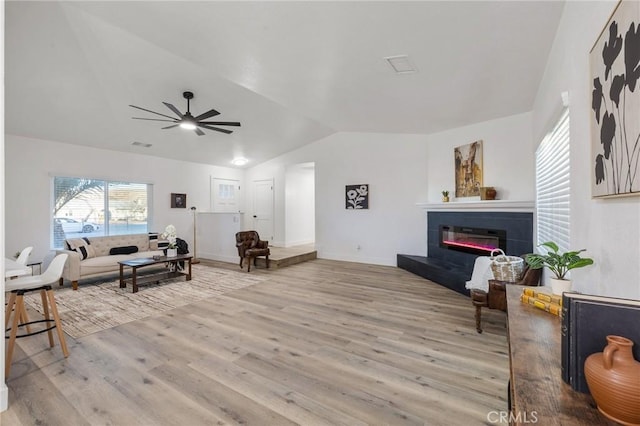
[(300, 202), (30, 163), (394, 167), (401, 170), (4, 391), (217, 236), (608, 228), (508, 157)]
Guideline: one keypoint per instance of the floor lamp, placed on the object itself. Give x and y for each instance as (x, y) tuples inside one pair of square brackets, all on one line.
[(195, 257)]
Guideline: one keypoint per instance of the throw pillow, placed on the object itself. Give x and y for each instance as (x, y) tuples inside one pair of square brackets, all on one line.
[(124, 250), (82, 246), (153, 240)]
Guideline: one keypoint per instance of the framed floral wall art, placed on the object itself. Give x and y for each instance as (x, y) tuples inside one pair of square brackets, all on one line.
[(357, 197), (615, 104), (468, 169)]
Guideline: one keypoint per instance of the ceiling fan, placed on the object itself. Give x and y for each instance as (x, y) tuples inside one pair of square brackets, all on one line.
[(188, 121)]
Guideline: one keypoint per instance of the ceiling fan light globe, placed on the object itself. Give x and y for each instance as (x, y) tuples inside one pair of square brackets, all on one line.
[(187, 125)]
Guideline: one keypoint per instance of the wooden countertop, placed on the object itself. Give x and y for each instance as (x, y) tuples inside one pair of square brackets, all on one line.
[(537, 388)]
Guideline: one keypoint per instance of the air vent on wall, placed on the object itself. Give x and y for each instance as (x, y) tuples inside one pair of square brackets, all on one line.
[(401, 64), (144, 145)]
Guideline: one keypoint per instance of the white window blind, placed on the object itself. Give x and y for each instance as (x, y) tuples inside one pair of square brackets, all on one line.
[(553, 185)]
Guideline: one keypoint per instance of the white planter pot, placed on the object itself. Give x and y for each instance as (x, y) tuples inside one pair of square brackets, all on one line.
[(560, 286), (172, 252)]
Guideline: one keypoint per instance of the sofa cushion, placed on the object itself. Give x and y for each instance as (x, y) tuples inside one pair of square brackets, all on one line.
[(156, 242), (153, 240), (103, 245), (123, 250), (102, 264), (82, 246)]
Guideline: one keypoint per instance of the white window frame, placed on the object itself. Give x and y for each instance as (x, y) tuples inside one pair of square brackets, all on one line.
[(106, 183)]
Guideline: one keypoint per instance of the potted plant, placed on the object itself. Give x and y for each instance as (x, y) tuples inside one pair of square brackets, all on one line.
[(558, 263), (445, 196)]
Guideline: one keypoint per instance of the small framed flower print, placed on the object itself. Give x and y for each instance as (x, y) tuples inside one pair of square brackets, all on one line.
[(357, 197)]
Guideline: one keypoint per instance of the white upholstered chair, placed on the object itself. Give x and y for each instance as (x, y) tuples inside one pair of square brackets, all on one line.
[(24, 256), (17, 288)]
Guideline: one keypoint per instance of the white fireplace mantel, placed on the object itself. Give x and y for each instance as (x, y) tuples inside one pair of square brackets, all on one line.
[(480, 206)]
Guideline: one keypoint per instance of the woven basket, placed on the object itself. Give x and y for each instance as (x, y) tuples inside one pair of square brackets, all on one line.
[(506, 268)]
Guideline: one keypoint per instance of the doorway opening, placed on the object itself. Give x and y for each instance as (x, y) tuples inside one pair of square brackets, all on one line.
[(300, 206)]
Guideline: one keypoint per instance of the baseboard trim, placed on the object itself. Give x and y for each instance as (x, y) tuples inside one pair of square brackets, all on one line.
[(298, 243), (4, 397), (219, 257), (356, 259)]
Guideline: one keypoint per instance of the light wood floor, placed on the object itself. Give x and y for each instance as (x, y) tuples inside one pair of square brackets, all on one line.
[(322, 342)]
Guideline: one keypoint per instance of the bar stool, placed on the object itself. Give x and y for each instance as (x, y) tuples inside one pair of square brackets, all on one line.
[(22, 259), (24, 255), (17, 288)]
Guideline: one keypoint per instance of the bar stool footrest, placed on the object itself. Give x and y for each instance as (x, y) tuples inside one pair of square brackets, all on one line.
[(34, 332)]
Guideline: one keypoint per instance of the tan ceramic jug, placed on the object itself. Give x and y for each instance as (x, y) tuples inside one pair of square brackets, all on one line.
[(613, 377)]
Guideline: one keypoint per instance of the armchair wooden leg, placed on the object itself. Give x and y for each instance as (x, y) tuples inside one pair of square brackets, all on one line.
[(479, 298), (74, 284), (249, 265), (61, 281), (241, 259), (478, 319), (267, 261)]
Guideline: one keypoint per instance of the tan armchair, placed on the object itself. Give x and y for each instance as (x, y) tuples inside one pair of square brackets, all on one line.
[(496, 297), (250, 246)]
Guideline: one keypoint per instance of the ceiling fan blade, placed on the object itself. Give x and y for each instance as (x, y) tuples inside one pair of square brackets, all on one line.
[(154, 119), (198, 132), (221, 123), (152, 112), (210, 113), (170, 127), (174, 109), (217, 129)]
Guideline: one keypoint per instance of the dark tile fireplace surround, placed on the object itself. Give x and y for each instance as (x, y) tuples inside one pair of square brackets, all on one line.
[(452, 268)]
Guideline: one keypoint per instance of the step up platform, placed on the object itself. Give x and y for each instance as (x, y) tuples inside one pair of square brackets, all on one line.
[(287, 256)]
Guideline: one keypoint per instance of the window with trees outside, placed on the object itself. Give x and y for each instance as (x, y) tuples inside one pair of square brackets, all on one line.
[(91, 207)]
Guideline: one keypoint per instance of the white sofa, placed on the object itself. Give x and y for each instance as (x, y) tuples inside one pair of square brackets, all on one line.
[(102, 262)]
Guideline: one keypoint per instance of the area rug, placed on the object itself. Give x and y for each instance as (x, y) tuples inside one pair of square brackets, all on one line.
[(96, 307)]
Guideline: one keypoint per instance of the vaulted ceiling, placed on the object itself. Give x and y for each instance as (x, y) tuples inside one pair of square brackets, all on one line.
[(290, 72)]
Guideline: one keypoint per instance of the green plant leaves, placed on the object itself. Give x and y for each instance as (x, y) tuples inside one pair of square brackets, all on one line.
[(558, 263)]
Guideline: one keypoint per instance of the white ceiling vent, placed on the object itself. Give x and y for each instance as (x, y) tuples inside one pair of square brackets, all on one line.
[(144, 145), (401, 64)]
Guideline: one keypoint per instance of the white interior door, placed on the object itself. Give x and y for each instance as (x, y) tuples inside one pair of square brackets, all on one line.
[(263, 208), (225, 195)]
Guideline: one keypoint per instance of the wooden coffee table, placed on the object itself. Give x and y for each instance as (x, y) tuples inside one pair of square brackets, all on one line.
[(136, 264)]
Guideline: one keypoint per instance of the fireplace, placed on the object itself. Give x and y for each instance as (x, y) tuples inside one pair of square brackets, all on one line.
[(472, 240), (451, 264)]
